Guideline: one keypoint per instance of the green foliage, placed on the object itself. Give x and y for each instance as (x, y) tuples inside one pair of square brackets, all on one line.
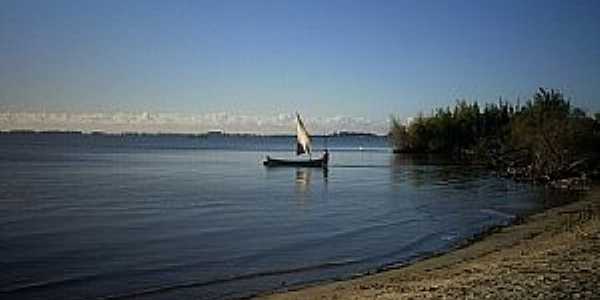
[(451, 131), (548, 131), (399, 134), (553, 133)]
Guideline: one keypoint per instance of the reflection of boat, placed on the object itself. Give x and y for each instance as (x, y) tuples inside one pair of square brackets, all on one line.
[(303, 176), (302, 146)]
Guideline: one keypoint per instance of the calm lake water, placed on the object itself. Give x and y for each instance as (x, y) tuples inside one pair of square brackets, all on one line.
[(174, 217)]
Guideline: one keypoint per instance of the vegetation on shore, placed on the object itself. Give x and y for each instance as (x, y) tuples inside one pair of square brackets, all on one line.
[(546, 139)]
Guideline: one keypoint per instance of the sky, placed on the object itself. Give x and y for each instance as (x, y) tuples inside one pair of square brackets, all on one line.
[(248, 66)]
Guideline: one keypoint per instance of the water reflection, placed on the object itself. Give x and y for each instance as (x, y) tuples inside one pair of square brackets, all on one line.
[(306, 188), (420, 170), (303, 177)]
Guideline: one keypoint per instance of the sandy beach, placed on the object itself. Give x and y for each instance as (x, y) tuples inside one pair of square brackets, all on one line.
[(551, 255)]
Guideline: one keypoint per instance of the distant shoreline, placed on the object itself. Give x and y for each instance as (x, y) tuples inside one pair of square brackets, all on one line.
[(204, 134), (551, 254)]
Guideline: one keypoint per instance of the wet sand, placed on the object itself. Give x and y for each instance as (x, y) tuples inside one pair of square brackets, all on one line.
[(551, 255)]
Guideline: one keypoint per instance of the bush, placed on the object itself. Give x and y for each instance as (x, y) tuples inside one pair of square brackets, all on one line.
[(450, 131), (547, 138)]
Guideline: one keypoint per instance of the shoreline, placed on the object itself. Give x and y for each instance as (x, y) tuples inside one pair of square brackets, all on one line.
[(552, 254)]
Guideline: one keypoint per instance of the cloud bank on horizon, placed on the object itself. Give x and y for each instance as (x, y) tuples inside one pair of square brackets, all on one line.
[(247, 58), (118, 122)]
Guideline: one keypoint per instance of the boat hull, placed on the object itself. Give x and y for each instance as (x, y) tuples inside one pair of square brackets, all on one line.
[(310, 163)]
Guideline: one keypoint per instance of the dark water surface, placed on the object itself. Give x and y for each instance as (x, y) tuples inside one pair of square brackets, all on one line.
[(103, 217)]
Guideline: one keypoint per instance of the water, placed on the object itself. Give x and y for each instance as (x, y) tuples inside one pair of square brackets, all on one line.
[(158, 217)]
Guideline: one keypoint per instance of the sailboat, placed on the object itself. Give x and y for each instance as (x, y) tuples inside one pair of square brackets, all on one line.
[(303, 146)]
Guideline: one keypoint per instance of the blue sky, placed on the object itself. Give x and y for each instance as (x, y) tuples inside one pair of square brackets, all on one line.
[(359, 60)]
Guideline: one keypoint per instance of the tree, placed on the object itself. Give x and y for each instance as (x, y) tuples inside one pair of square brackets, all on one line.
[(554, 134), (546, 137), (399, 136)]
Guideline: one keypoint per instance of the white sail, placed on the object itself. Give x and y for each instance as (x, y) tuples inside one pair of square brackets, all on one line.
[(303, 139)]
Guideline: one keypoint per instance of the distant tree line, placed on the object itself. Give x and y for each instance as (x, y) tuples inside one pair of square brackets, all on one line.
[(544, 139)]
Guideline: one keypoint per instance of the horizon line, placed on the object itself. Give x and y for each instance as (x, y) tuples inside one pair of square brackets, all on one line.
[(340, 133)]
